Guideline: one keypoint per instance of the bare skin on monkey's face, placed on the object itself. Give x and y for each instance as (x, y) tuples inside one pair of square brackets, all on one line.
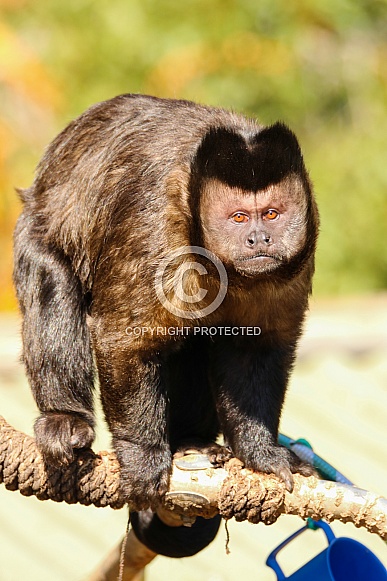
[(253, 231)]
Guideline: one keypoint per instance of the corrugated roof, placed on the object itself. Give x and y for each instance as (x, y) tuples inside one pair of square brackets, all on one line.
[(337, 400)]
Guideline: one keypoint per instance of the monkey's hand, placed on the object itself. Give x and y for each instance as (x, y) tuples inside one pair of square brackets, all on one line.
[(145, 473), (280, 461), (57, 434)]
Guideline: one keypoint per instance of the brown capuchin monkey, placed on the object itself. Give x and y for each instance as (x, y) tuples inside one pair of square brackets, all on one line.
[(117, 251)]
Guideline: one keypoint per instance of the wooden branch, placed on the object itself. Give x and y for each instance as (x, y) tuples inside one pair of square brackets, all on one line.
[(196, 487), (136, 557), (245, 495)]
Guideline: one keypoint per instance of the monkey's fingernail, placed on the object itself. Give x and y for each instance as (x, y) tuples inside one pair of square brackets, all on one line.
[(289, 485), (286, 476)]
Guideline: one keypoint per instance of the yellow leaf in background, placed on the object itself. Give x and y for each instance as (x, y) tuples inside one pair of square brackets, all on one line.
[(237, 52), (245, 50), (21, 71), (29, 99)]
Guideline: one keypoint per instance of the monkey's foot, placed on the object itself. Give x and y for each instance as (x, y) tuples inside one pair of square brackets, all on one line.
[(57, 434), (217, 454), (145, 473)]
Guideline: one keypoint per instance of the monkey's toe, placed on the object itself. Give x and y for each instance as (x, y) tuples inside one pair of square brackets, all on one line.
[(217, 454), (286, 476), (298, 466), (289, 465)]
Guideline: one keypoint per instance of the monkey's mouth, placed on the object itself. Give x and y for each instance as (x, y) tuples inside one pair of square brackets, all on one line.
[(261, 258), (257, 263)]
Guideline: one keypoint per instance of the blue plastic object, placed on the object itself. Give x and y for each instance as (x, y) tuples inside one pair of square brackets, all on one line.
[(343, 560), (304, 450)]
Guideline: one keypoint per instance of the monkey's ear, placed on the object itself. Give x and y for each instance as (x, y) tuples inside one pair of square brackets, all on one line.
[(23, 194)]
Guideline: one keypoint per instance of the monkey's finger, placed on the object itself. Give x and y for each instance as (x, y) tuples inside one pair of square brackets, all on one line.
[(286, 476)]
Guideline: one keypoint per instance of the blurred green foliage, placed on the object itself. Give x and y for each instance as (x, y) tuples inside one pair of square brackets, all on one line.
[(319, 65)]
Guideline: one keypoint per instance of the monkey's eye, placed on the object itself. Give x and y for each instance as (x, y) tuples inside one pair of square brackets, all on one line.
[(270, 214), (239, 218)]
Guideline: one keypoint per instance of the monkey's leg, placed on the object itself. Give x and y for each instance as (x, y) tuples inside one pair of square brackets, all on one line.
[(135, 406), (192, 419), (56, 345), (250, 379)]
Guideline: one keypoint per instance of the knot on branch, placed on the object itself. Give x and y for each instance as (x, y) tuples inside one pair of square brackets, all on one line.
[(248, 498), (90, 479)]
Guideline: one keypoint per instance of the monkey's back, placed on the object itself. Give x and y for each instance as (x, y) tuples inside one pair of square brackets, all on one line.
[(135, 132), (111, 166)]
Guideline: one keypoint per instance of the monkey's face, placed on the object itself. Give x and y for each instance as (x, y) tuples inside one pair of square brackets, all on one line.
[(255, 232)]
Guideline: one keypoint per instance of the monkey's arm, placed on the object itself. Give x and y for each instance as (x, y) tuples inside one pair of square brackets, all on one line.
[(250, 378), (135, 406)]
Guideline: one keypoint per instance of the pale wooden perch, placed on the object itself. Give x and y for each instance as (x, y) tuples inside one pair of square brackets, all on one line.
[(196, 489)]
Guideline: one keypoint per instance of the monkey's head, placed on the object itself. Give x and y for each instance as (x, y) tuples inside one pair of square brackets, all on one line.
[(254, 205)]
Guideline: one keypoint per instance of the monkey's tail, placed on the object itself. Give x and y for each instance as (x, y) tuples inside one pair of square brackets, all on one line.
[(173, 541)]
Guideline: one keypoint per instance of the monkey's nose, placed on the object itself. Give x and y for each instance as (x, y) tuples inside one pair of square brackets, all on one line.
[(251, 240)]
